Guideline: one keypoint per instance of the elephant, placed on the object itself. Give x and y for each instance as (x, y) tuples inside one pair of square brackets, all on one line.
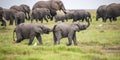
[(24, 8), (60, 17), (101, 11), (19, 18), (52, 5), (40, 13), (80, 15), (69, 14), (62, 30), (112, 12), (29, 31), (1, 17), (9, 14), (88, 15)]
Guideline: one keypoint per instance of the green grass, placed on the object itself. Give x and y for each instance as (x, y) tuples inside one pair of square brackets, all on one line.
[(95, 43)]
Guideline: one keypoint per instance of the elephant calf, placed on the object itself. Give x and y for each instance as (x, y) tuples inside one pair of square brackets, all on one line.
[(40, 14), (19, 18), (29, 31), (62, 30), (60, 17)]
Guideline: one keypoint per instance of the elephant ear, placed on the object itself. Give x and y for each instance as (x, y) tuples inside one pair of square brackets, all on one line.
[(75, 27), (54, 5), (38, 30)]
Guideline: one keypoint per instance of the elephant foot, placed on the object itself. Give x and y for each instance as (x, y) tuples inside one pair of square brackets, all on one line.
[(69, 44), (75, 44)]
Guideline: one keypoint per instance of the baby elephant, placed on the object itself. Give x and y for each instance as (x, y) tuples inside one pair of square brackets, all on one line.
[(19, 18), (60, 17), (62, 30), (29, 31)]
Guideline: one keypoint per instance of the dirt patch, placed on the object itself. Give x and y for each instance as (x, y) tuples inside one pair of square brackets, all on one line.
[(112, 48)]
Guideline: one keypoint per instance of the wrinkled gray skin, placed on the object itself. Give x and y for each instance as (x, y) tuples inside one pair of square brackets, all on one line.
[(9, 14), (24, 8), (80, 15), (40, 14), (1, 17), (112, 11), (101, 11), (52, 5), (69, 15), (19, 18), (88, 15), (29, 31), (60, 17), (62, 30)]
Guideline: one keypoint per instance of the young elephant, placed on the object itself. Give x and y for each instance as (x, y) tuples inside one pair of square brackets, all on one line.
[(60, 17), (62, 30), (40, 14), (19, 18), (29, 31)]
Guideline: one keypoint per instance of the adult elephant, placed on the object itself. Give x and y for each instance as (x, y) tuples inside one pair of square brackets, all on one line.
[(52, 5), (100, 13), (24, 8), (80, 15), (62, 30), (1, 17), (29, 31), (9, 14), (40, 14), (112, 11)]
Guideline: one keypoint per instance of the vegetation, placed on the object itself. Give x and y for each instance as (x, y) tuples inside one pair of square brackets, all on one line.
[(101, 41)]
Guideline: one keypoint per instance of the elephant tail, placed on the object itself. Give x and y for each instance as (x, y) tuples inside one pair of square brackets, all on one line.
[(54, 28)]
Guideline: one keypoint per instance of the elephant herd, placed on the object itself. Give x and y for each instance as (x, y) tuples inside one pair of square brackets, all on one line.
[(111, 12), (44, 10)]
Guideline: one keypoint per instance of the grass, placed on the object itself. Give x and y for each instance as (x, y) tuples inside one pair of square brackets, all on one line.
[(95, 43)]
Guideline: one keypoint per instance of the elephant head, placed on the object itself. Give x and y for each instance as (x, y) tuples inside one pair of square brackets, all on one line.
[(81, 26), (45, 29), (58, 5)]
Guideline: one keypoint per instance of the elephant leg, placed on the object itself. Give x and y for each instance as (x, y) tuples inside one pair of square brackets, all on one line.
[(28, 16), (19, 37), (46, 19), (51, 18), (69, 41), (38, 36), (31, 40), (3, 22), (41, 20), (55, 38), (11, 22), (110, 19), (74, 39), (70, 37), (97, 17), (58, 36)]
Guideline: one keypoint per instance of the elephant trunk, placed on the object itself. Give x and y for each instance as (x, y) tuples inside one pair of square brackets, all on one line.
[(88, 24), (64, 10)]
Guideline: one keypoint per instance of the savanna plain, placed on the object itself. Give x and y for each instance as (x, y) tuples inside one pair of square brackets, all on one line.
[(101, 41)]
